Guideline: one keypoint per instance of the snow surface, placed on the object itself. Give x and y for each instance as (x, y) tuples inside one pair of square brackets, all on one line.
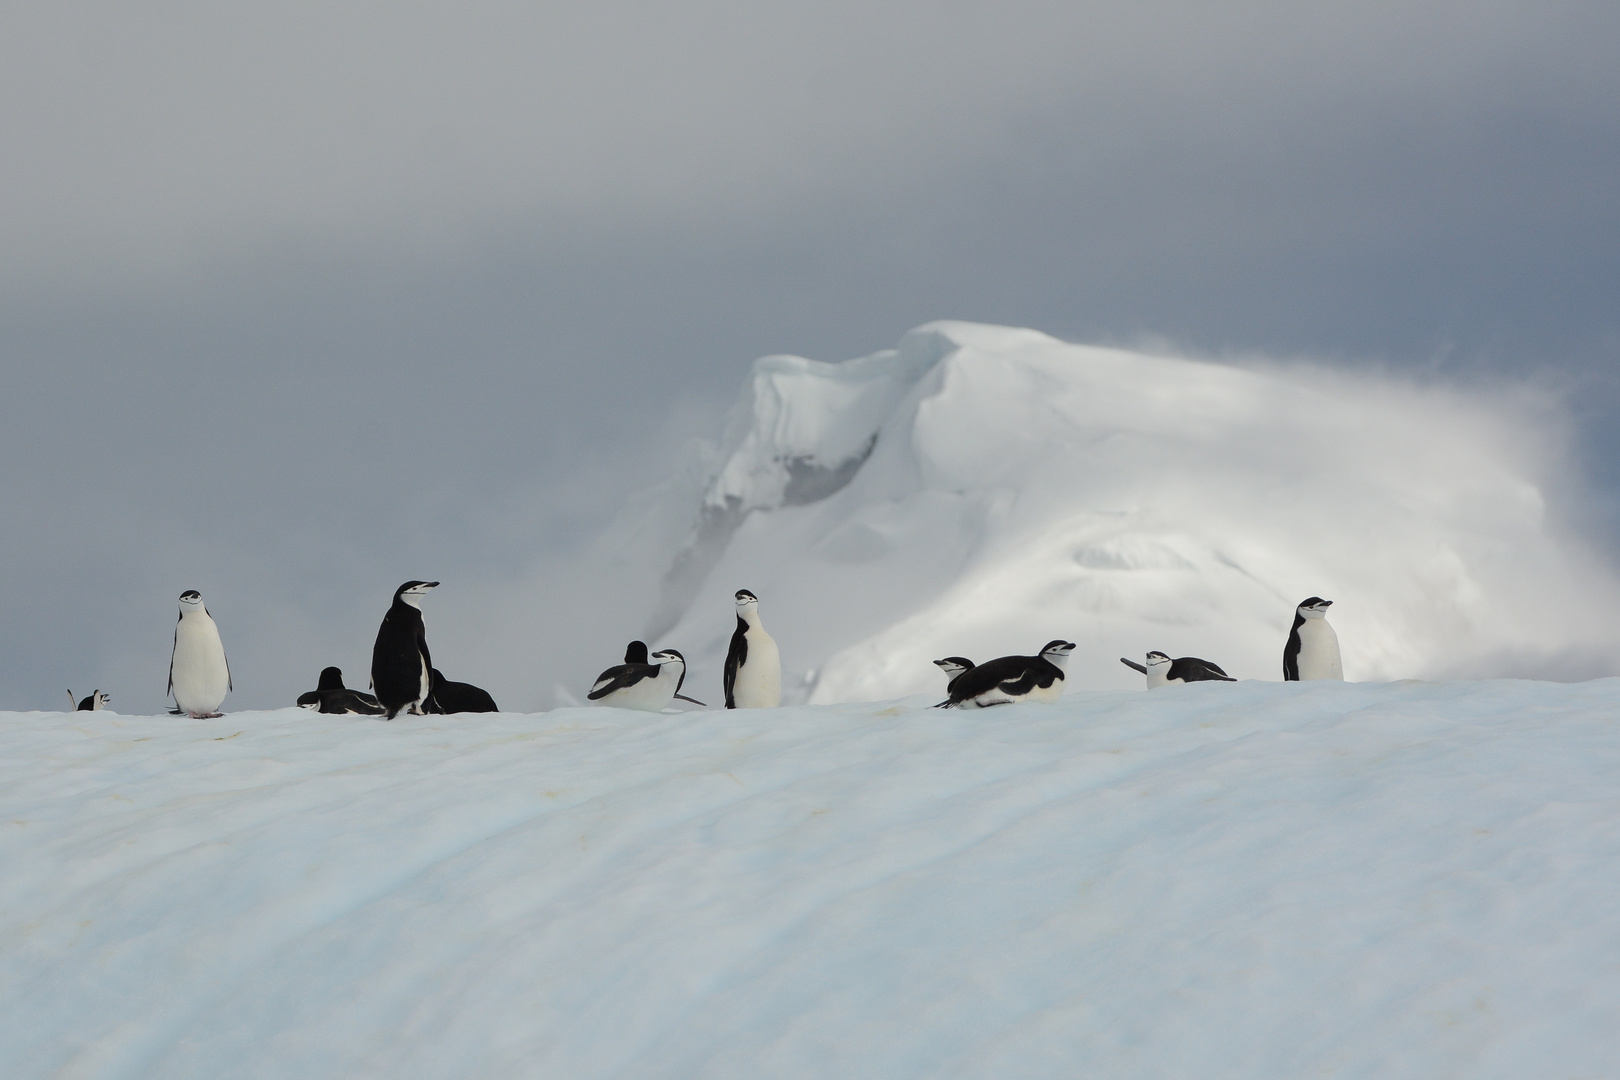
[(1254, 880), (980, 490)]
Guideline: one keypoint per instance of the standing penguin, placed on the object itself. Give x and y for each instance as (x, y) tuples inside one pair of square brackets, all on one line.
[(199, 675), (753, 678), (401, 669), (1312, 651)]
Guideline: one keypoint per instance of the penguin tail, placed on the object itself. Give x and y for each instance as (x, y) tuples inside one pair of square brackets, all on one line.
[(942, 705)]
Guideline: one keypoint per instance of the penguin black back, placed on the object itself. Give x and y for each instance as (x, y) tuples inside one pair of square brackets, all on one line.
[(401, 665), (457, 697)]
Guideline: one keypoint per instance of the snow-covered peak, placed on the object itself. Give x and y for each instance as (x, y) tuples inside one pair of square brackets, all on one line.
[(802, 428), (980, 490)]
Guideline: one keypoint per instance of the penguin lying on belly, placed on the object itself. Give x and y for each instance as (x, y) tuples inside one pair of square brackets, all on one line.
[(1161, 670), (1008, 680), (330, 696), (448, 697)]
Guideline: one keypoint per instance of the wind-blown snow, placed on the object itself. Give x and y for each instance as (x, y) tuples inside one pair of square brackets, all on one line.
[(980, 490), (1252, 880)]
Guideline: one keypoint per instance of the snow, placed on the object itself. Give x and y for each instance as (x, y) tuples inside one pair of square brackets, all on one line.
[(1256, 880), (980, 490)]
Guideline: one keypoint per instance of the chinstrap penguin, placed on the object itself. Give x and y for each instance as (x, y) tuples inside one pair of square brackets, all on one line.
[(1312, 651), (456, 697), (199, 675), (401, 667), (1008, 680), (649, 687), (953, 667), (753, 676), (94, 703), (1161, 670), (332, 697), (636, 653)]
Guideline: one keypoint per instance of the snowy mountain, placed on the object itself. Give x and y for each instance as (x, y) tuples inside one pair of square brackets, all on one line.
[(979, 490), (1257, 880)]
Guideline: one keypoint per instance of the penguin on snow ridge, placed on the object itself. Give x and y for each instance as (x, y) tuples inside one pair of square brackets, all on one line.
[(1161, 670), (199, 675), (953, 667), (1008, 680), (753, 676), (94, 703), (1312, 651), (401, 668), (636, 653), (646, 686), (332, 697), (456, 697)]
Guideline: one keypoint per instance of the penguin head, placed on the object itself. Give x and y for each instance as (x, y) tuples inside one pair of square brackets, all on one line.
[(746, 599), (190, 600), (668, 656), (331, 679), (635, 652), (412, 592), (1057, 651), (1314, 607), (1156, 659), (953, 666)]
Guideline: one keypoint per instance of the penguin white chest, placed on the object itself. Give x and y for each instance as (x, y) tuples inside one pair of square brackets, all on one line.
[(648, 695), (199, 673), (1319, 651), (1046, 695), (759, 679)]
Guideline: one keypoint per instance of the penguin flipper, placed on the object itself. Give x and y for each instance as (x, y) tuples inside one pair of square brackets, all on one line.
[(736, 656), (694, 701), (1133, 665), (620, 677)]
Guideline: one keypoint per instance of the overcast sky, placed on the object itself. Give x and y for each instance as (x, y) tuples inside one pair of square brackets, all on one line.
[(298, 301)]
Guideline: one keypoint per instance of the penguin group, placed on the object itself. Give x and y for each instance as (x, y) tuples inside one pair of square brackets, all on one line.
[(404, 679)]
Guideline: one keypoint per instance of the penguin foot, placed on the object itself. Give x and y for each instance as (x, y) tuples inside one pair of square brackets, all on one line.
[(205, 715)]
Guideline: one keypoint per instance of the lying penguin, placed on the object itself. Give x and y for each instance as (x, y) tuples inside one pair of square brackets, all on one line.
[(1161, 670), (1008, 680), (649, 687), (94, 703), (636, 653), (448, 697), (332, 697)]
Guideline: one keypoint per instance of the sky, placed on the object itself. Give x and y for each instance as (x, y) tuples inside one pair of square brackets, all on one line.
[(299, 301)]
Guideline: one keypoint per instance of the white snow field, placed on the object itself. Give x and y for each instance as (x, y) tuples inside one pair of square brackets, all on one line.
[(1257, 880), (980, 490)]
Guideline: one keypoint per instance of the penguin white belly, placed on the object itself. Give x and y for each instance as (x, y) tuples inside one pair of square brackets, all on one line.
[(759, 680), (1319, 651), (427, 688), (201, 678), (648, 695), (1046, 695)]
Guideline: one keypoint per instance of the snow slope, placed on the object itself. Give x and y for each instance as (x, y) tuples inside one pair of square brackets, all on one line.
[(980, 490), (1254, 880)]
